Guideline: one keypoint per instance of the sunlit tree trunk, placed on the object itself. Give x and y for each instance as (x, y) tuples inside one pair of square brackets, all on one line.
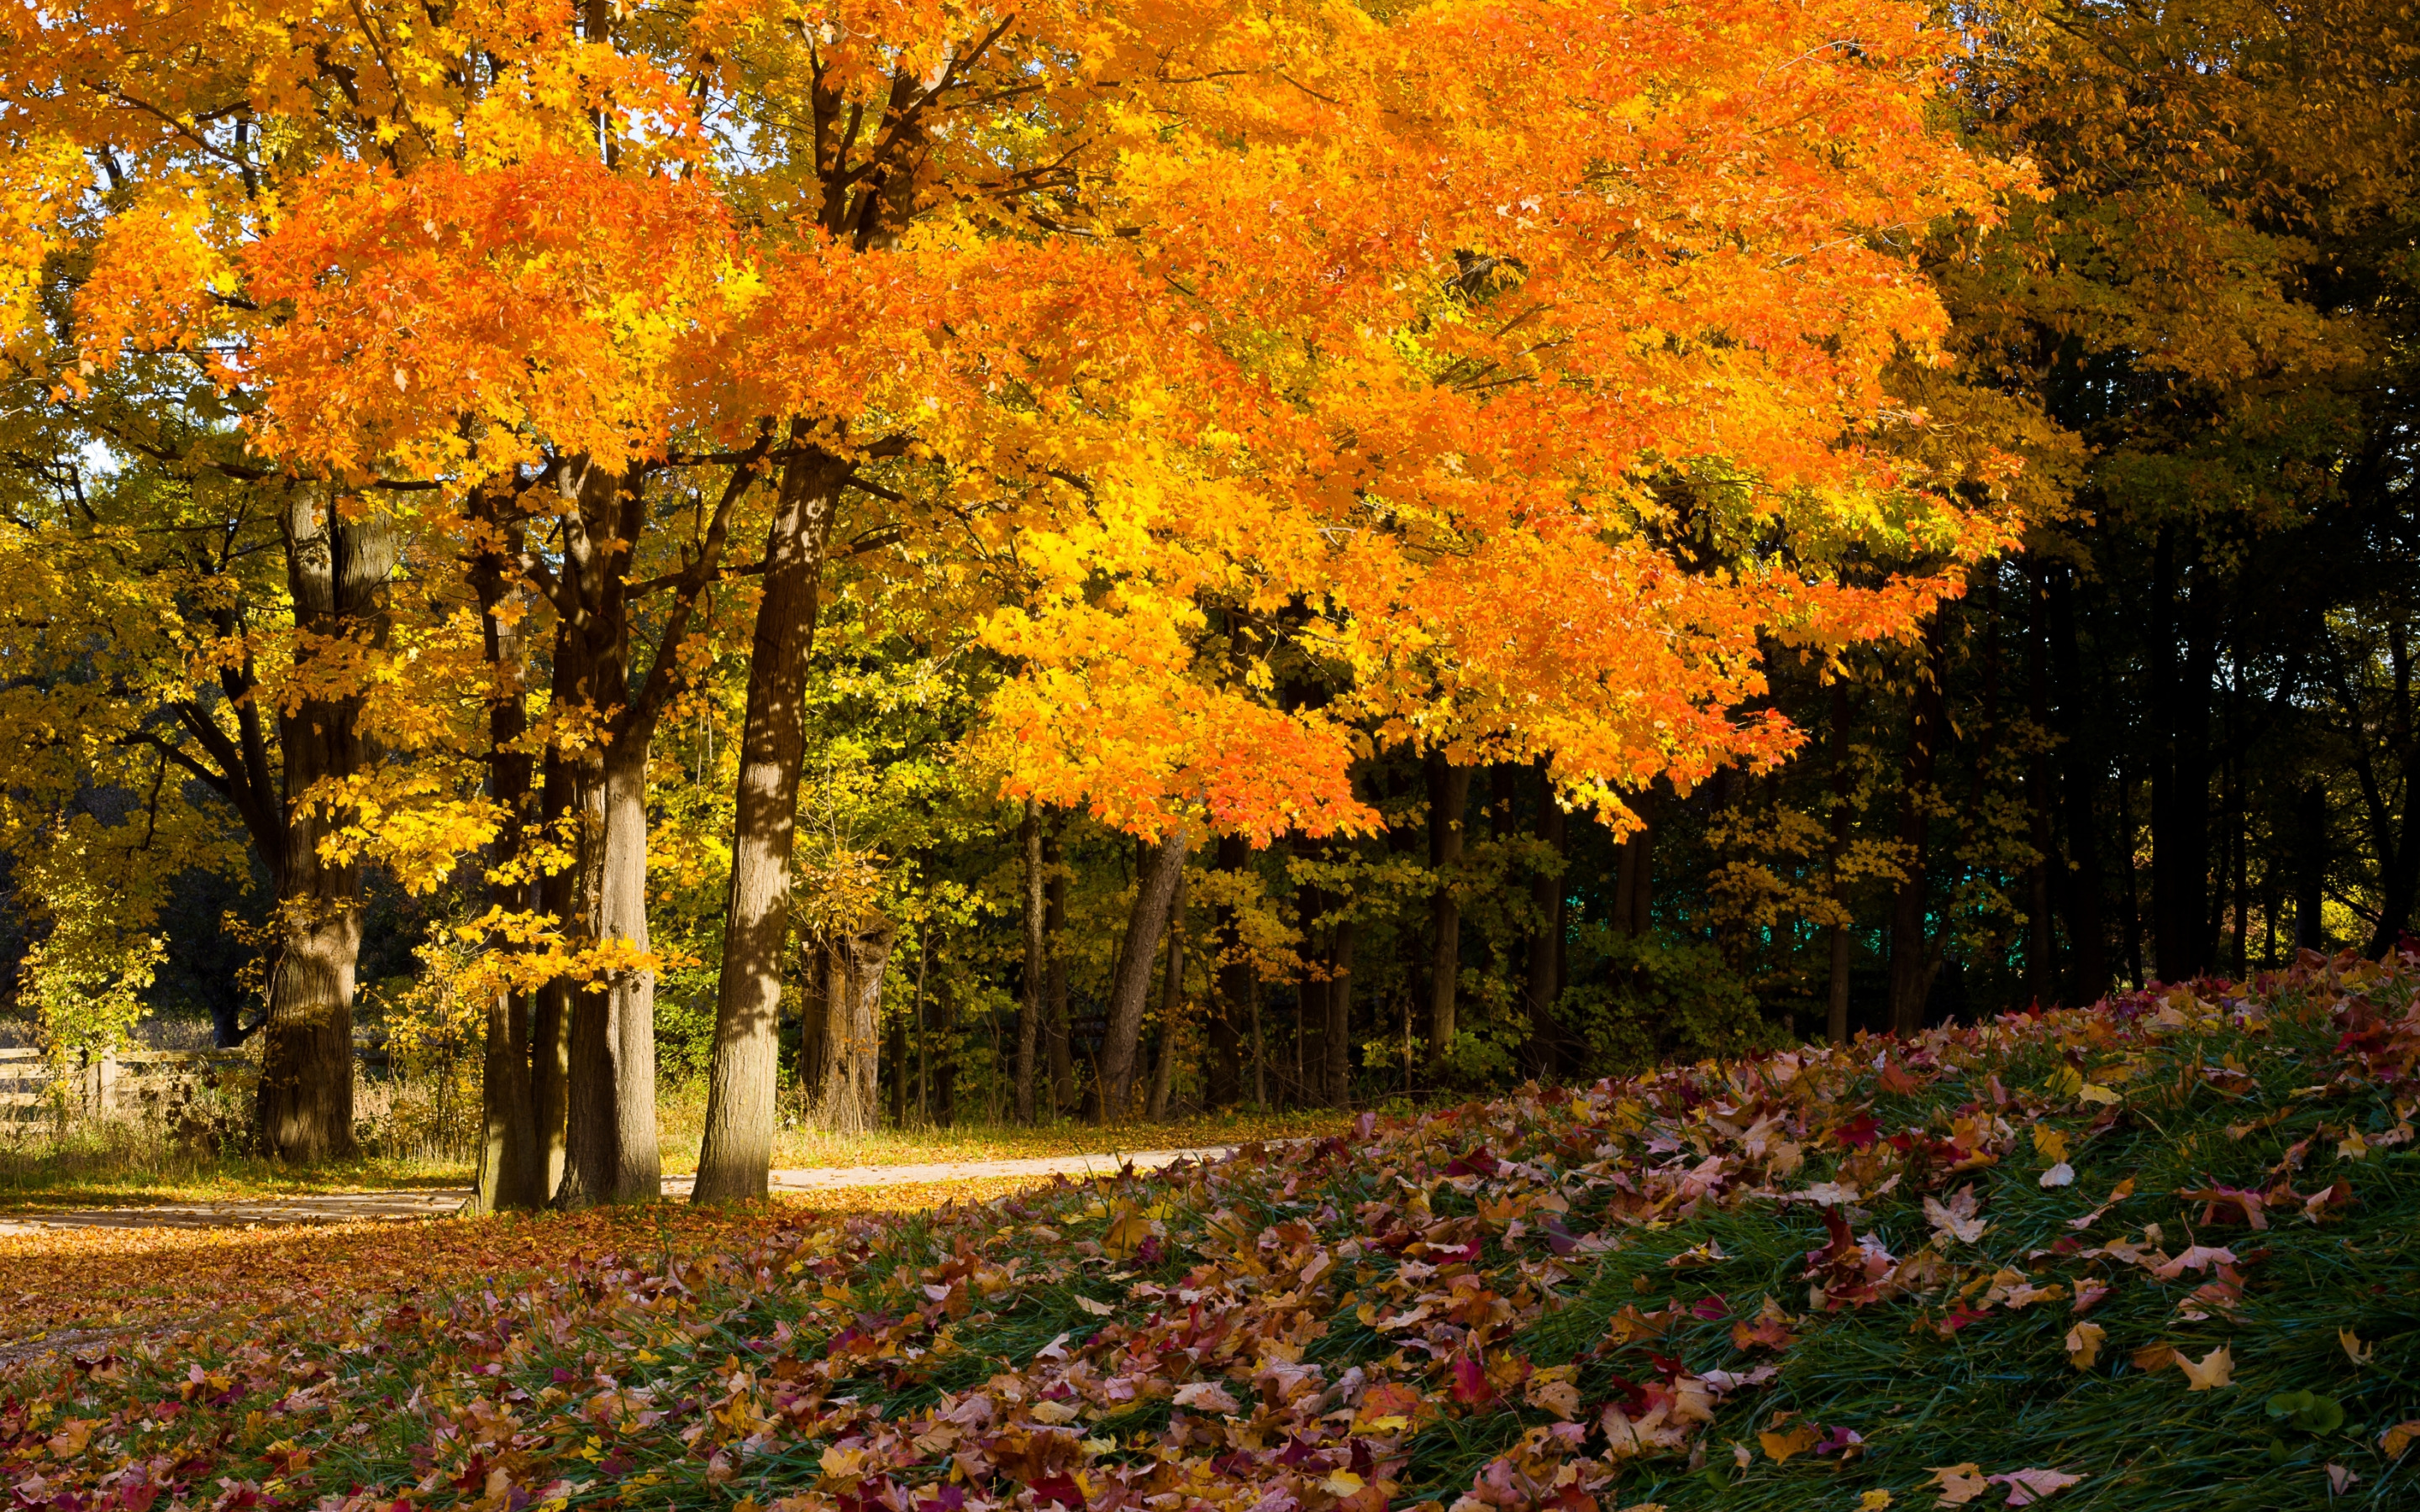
[(511, 1169), (736, 1158), (338, 571)]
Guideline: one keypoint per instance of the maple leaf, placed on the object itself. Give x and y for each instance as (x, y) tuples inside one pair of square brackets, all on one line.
[(1955, 1218), (2061, 1174), (1780, 1447), (1958, 1484), (2213, 1370), (2355, 1350), (2195, 1257), (1212, 1397), (1471, 1386), (2026, 1486), (2399, 1437), (2084, 1341)]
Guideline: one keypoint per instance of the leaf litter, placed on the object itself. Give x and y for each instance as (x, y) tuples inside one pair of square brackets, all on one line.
[(1820, 1277)]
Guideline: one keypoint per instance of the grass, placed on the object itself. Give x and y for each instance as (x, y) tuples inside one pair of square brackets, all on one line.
[(1541, 1302)]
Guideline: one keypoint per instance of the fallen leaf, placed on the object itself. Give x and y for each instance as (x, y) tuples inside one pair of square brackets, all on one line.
[(2400, 1437), (2084, 1343), (1958, 1484), (1780, 1446), (1559, 1397), (1098, 1309), (2340, 1480), (2026, 1486), (1957, 1217), (2153, 1357), (2213, 1370), (2061, 1174), (2354, 1349), (1053, 1413), (2197, 1258), (2049, 1143), (1207, 1396), (1873, 1501), (2094, 1092)]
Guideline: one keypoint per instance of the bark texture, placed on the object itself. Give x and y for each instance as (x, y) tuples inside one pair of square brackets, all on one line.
[(336, 569), (610, 1145), (512, 1171), (735, 1160), (1156, 884), (839, 1056)]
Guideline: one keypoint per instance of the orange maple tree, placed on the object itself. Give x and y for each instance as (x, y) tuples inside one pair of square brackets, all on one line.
[(1520, 362)]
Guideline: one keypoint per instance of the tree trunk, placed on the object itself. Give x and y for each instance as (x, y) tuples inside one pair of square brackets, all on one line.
[(2180, 780), (1157, 881), (511, 1170), (1448, 798), (1054, 923), (1310, 992), (1912, 956), (2311, 868), (1224, 1073), (559, 806), (2132, 921), (1835, 1007), (1543, 980), (336, 570), (2041, 947), (839, 1061), (1032, 1000), (2086, 935), (1171, 1006), (609, 1147), (1340, 1015), (735, 1157), (612, 1154), (1634, 884)]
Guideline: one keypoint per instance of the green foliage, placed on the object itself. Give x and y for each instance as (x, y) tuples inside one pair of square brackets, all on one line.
[(1645, 998)]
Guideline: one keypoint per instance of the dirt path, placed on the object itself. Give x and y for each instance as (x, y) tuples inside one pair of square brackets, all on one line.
[(397, 1206)]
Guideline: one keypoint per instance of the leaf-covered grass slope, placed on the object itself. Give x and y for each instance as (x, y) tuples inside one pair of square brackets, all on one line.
[(2158, 1254)]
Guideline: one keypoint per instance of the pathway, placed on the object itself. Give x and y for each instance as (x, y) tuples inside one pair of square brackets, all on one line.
[(396, 1206)]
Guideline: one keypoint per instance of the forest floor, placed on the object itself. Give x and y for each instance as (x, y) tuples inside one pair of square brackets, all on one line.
[(122, 1168), (2161, 1255), (945, 1178)]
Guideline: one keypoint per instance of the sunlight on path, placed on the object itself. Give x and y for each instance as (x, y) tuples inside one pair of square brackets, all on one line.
[(355, 1207)]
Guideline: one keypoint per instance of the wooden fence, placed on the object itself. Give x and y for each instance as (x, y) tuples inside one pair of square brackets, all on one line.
[(114, 1084)]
